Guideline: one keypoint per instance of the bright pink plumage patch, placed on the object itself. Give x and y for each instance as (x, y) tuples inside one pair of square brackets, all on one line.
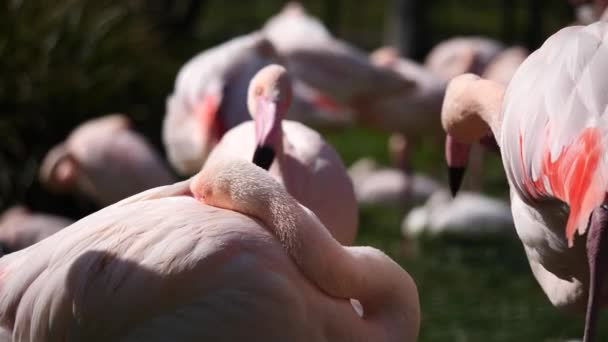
[(326, 103), (207, 113), (572, 178)]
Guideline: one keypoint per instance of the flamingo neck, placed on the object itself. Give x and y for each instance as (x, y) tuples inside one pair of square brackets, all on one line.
[(489, 106), (387, 293)]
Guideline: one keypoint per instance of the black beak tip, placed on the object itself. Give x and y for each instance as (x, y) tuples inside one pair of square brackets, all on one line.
[(263, 157), (455, 176)]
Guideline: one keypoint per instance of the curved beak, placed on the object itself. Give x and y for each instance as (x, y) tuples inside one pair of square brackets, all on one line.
[(267, 132), (457, 157)]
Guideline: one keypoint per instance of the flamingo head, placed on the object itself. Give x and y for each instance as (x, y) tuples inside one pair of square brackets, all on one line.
[(237, 185), (470, 109), (269, 97), (59, 169)]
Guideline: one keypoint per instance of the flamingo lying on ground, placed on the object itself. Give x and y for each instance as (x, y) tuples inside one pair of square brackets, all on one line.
[(297, 156), (105, 160), (266, 271), (552, 131), (470, 214), (20, 228), (396, 185), (209, 98)]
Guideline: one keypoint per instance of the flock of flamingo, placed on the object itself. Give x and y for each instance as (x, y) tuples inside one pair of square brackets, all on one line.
[(256, 243)]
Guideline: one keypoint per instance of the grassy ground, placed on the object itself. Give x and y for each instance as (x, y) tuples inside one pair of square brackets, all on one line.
[(470, 290)]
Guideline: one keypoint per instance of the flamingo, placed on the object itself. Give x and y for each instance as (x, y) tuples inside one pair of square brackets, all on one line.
[(259, 270), (105, 160), (415, 110), (550, 125), (20, 228), (460, 55), (341, 72), (469, 214), (394, 185), (503, 66), (209, 98), (297, 156)]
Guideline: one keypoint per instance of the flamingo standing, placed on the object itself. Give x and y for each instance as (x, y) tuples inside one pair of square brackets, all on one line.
[(266, 271), (297, 156), (210, 98), (551, 128), (20, 228), (505, 64), (105, 160), (338, 70), (460, 55)]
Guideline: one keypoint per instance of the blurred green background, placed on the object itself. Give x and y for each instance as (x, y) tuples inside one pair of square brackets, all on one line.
[(65, 61)]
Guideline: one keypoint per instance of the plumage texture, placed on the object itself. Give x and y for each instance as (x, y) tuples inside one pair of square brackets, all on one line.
[(557, 151), (551, 133), (208, 274)]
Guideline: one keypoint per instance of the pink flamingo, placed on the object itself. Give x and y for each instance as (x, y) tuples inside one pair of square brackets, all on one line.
[(209, 98), (297, 156), (460, 55), (551, 128), (20, 228), (249, 262), (338, 70), (105, 160)]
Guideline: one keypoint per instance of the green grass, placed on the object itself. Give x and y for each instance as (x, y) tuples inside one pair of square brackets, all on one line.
[(470, 290)]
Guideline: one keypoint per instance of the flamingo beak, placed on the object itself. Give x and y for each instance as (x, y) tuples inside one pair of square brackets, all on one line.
[(267, 129), (457, 157), (597, 257)]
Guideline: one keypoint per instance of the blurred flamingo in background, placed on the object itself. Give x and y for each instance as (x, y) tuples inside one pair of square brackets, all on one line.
[(20, 228), (395, 185), (341, 72), (505, 64), (297, 156), (210, 98), (551, 129), (105, 160), (459, 55)]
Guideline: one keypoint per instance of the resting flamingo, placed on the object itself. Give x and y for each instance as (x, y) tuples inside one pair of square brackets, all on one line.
[(265, 269), (20, 228), (551, 128), (297, 156), (105, 160)]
